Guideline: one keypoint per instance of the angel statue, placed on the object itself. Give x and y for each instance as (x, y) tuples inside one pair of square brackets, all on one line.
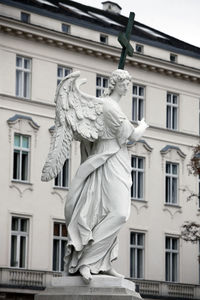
[(98, 201)]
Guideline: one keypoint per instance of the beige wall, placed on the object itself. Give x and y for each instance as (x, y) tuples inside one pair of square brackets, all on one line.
[(43, 203)]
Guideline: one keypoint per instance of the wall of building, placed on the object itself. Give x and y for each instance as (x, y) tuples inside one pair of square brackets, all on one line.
[(43, 203)]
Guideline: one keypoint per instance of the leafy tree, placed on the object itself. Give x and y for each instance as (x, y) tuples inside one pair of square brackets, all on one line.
[(190, 231)]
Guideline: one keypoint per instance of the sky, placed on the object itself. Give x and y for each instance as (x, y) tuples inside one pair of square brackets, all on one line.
[(178, 18)]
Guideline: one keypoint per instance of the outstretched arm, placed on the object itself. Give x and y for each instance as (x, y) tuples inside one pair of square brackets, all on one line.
[(139, 131)]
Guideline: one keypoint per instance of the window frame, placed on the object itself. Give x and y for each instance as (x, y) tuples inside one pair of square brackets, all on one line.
[(137, 97), (175, 56), (138, 170), (172, 251), (134, 269), (66, 26), (142, 48), (21, 149), (27, 15), (65, 70), (60, 239), (172, 106), (103, 36), (101, 88), (18, 233), (172, 176), (20, 83), (60, 176)]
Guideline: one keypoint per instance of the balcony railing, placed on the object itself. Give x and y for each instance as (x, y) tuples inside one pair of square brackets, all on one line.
[(33, 280), (168, 289), (25, 279)]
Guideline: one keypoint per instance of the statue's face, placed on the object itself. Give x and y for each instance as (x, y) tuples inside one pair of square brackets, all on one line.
[(121, 87)]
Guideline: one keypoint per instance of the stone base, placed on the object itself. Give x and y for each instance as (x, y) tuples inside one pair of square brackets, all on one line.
[(101, 287)]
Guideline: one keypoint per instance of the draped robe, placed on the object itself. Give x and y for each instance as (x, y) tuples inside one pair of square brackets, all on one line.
[(98, 202)]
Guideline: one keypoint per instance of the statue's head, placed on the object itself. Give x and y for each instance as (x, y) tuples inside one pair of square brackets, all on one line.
[(119, 80)]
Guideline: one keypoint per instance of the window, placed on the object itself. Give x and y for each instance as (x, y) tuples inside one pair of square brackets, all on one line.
[(65, 28), (62, 72), (139, 48), (138, 102), (137, 188), (171, 183), (137, 255), (25, 17), (62, 180), (23, 76), (19, 242), (101, 85), (172, 111), (21, 157), (171, 258), (103, 38), (59, 243), (173, 57)]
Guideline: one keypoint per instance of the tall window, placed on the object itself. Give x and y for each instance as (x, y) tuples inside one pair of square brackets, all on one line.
[(23, 76), (172, 111), (171, 183), (21, 157), (19, 242), (62, 72), (137, 188), (137, 255), (62, 180), (101, 85), (171, 258), (59, 243), (138, 103)]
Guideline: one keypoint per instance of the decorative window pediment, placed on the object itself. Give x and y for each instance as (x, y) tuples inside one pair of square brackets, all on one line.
[(20, 118), (172, 149), (22, 134), (140, 143)]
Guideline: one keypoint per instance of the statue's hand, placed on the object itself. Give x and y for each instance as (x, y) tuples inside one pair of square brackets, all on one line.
[(143, 124)]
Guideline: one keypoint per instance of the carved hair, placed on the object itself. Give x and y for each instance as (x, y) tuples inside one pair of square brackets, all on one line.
[(116, 76)]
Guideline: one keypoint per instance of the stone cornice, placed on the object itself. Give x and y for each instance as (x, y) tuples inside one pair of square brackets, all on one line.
[(92, 48)]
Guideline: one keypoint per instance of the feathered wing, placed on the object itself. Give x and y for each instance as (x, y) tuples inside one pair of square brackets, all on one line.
[(78, 116)]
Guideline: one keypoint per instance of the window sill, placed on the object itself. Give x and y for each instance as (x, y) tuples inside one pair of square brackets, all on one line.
[(18, 268), (23, 98), (139, 200), (172, 130), (60, 188), (172, 205), (21, 182)]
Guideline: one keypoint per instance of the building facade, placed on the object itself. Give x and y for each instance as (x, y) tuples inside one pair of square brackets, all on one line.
[(43, 41)]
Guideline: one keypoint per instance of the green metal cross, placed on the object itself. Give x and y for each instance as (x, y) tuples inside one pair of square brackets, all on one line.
[(124, 39)]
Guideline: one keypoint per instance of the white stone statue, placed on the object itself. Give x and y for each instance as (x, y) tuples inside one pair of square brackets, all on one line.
[(98, 202)]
